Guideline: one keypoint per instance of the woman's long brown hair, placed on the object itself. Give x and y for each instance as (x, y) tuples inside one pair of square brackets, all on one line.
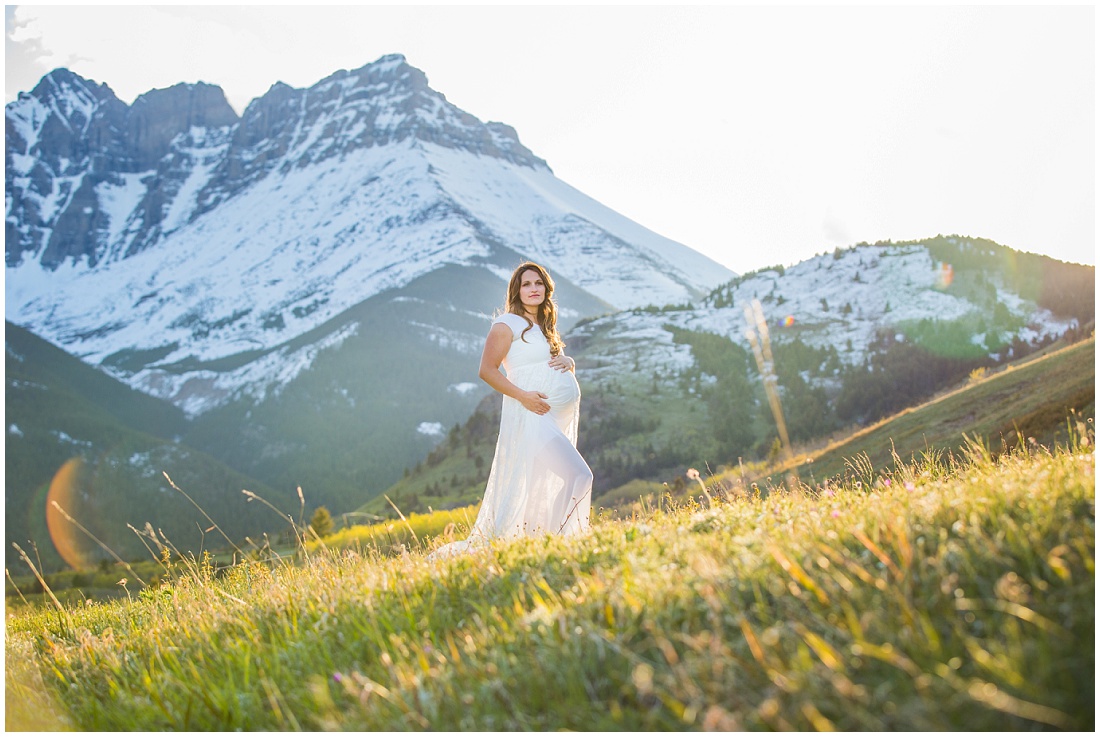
[(547, 315)]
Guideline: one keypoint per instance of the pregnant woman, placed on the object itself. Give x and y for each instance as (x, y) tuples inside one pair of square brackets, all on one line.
[(539, 483)]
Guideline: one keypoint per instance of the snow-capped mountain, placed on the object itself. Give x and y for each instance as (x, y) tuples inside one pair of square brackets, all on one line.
[(158, 238), (846, 301)]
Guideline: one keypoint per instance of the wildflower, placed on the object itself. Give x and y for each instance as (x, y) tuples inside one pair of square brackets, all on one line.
[(886, 483), (338, 677), (123, 583), (836, 513), (693, 474), (910, 486)]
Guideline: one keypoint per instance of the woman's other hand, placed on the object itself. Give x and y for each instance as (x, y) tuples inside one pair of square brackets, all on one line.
[(534, 401), (562, 363)]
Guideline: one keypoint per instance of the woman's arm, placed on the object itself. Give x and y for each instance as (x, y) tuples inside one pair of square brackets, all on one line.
[(496, 348)]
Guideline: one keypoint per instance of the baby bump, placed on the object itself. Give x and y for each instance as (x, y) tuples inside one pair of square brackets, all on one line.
[(562, 390), (560, 387)]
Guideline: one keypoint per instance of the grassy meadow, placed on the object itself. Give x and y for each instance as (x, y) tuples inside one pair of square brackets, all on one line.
[(949, 592)]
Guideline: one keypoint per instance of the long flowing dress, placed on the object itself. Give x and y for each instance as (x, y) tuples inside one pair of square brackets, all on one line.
[(539, 483)]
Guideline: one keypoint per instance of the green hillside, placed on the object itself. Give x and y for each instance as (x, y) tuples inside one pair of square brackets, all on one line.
[(1034, 396), (33, 359), (104, 447), (1029, 402)]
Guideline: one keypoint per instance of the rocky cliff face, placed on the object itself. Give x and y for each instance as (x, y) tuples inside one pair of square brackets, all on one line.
[(48, 141), (72, 143), (158, 117), (381, 104)]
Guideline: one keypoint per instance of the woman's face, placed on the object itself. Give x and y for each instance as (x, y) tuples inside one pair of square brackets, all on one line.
[(532, 290)]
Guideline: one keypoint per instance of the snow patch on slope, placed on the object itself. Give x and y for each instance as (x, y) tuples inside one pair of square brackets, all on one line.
[(206, 158), (634, 343), (118, 202), (268, 265), (594, 247), (198, 391)]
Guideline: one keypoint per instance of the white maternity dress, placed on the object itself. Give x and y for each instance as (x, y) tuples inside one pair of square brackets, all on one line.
[(539, 483)]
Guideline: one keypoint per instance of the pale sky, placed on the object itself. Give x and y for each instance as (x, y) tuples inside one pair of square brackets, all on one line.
[(755, 134)]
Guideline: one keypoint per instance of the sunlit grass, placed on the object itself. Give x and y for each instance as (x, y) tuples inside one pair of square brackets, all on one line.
[(944, 595), (408, 532)]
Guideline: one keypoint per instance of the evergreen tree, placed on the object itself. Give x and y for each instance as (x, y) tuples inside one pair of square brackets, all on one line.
[(321, 522)]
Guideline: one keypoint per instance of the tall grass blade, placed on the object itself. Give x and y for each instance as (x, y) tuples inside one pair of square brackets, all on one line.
[(98, 542)]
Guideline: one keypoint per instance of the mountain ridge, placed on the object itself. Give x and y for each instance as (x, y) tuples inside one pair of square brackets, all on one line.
[(317, 199)]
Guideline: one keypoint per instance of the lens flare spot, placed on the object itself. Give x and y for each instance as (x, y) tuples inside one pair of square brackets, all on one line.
[(65, 490), (788, 321), (946, 275)]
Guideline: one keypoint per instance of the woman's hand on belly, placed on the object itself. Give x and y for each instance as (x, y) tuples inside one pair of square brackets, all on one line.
[(562, 362), (535, 402)]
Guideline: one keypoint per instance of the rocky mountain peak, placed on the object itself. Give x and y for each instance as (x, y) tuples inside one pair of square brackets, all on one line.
[(70, 95), (385, 102), (393, 70), (157, 117), (55, 116)]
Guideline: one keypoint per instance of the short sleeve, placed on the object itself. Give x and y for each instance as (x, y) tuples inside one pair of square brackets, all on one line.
[(515, 322)]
